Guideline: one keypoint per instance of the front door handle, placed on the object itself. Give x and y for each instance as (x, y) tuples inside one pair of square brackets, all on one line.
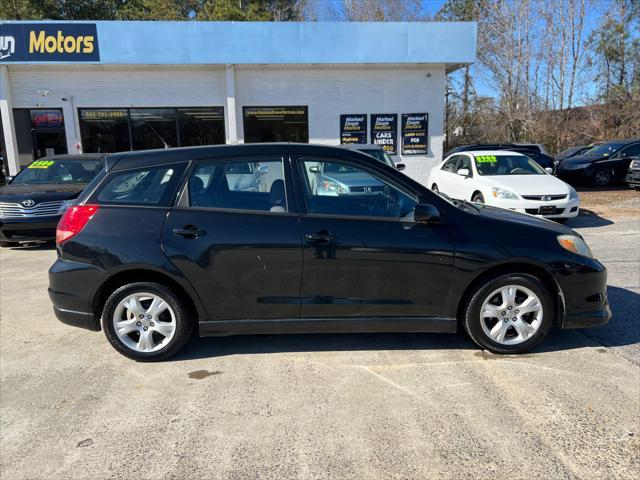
[(322, 238), (189, 231)]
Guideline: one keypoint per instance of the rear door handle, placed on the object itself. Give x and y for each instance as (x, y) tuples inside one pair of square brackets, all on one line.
[(320, 237), (189, 231)]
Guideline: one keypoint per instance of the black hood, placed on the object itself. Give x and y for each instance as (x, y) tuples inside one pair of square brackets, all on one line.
[(582, 159), (502, 214), (40, 193)]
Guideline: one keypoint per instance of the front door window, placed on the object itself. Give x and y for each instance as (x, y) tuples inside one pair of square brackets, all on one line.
[(337, 188)]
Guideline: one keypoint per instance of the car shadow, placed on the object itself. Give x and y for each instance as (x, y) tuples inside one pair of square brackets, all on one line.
[(621, 330), (34, 246), (588, 218), (624, 327)]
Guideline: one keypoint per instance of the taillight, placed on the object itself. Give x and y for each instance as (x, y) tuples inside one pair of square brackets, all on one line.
[(73, 221)]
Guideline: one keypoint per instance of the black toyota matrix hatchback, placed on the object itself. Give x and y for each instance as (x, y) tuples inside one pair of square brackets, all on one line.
[(253, 239)]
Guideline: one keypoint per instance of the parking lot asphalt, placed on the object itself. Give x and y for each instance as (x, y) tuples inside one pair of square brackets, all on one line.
[(323, 406)]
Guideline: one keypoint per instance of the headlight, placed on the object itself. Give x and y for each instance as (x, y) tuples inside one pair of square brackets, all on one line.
[(572, 193), (66, 205), (503, 194), (329, 187), (575, 245), (635, 165)]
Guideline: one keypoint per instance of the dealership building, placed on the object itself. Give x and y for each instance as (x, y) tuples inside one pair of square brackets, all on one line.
[(81, 87)]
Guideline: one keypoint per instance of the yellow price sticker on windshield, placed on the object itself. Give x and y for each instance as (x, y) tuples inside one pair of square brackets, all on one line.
[(41, 164), (486, 159)]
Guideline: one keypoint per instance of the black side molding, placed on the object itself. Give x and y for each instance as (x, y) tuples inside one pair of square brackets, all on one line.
[(222, 328)]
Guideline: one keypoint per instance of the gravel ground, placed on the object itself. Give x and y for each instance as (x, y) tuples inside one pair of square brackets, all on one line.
[(325, 406)]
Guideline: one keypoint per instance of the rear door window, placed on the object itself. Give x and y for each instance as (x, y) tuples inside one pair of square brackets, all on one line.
[(146, 186), (257, 185)]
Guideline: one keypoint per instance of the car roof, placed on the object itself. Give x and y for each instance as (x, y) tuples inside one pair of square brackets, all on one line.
[(489, 152), (142, 158)]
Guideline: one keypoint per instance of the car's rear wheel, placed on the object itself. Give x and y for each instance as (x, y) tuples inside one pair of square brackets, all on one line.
[(477, 198), (601, 177), (434, 187), (146, 321), (510, 313)]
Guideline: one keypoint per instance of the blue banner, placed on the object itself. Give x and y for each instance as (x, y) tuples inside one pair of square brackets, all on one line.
[(48, 42)]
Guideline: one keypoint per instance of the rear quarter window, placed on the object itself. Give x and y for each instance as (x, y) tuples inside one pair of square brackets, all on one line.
[(154, 186)]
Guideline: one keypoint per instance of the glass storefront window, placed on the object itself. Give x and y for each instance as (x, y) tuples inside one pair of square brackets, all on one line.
[(276, 124), (201, 126), (121, 129), (153, 128), (104, 130)]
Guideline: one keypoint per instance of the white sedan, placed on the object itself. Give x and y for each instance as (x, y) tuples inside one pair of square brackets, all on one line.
[(507, 180)]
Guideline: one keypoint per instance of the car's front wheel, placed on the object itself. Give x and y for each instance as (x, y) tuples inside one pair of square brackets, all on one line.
[(510, 313), (477, 198), (601, 177), (146, 321)]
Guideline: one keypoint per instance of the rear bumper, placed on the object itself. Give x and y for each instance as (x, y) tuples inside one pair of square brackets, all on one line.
[(72, 289), (84, 320), (28, 229)]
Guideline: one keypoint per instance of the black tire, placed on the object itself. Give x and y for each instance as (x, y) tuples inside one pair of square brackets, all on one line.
[(434, 188), (561, 220), (471, 312), (184, 324), (477, 198), (602, 177)]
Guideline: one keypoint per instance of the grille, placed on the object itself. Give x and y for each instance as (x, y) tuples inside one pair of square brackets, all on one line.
[(17, 210), (377, 188), (539, 197)]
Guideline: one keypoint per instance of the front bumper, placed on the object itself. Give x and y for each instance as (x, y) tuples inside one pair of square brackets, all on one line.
[(575, 175), (563, 208), (633, 178), (28, 229), (584, 292)]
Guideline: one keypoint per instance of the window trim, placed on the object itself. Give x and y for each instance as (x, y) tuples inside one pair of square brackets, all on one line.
[(299, 160), (182, 201)]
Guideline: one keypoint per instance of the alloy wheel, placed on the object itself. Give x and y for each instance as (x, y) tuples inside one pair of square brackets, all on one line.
[(602, 177), (511, 315), (144, 322)]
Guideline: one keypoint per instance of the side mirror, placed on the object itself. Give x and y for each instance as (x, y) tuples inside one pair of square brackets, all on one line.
[(400, 166), (315, 169), (262, 169), (464, 172), (548, 170), (426, 213)]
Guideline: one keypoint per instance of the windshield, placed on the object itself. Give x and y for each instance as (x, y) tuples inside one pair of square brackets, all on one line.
[(570, 152), (605, 150), (58, 171), (381, 156), (507, 165)]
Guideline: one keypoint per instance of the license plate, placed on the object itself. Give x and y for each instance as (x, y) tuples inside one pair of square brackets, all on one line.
[(549, 210)]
